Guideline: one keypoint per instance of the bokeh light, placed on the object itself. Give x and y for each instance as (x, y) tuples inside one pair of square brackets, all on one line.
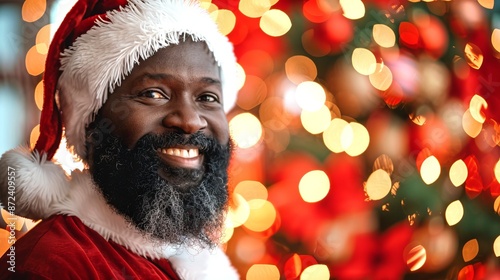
[(473, 55), (300, 68), (353, 9), (254, 8), (364, 61), (355, 139), (470, 125), (496, 170), (495, 39), (246, 130), (263, 272), (316, 122), (383, 35), (35, 132), (416, 257), (310, 96), (332, 135), (458, 173), (275, 23), (262, 215), (496, 246), (225, 19), (378, 185), (314, 186), (39, 95), (454, 212), (381, 79), (315, 272), (35, 61), (476, 106), (470, 250), (33, 10), (239, 211), (430, 170)]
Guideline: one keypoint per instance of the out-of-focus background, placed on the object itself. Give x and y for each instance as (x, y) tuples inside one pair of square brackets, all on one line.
[(368, 133)]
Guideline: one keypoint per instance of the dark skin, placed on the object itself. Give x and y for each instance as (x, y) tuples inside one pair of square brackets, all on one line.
[(178, 88)]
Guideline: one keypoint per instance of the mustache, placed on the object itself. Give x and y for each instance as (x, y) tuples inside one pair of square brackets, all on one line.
[(205, 144)]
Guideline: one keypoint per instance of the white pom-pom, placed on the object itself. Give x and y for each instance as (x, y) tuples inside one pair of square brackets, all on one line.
[(31, 183)]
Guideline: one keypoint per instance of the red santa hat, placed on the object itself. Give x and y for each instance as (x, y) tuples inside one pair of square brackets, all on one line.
[(97, 45)]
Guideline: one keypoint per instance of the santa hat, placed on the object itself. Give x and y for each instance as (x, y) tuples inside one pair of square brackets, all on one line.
[(96, 46)]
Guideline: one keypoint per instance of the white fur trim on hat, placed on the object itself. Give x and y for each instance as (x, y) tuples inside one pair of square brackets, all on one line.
[(100, 59)]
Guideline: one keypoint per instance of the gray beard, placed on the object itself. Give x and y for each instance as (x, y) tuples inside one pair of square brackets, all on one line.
[(129, 181)]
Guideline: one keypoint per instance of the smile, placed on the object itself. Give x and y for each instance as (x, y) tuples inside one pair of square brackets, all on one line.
[(181, 157)]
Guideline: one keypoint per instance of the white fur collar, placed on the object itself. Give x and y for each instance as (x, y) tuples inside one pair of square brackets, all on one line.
[(43, 190)]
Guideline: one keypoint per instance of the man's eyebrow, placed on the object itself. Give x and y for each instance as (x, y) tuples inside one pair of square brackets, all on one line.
[(163, 76)]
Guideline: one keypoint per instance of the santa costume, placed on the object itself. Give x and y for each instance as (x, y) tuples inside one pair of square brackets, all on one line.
[(80, 235)]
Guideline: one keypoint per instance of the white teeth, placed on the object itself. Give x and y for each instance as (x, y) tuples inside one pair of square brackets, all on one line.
[(184, 153)]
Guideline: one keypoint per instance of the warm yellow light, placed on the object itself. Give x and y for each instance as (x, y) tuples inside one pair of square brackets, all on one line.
[(454, 212), (353, 9), (300, 68), (495, 39), (332, 135), (239, 211), (416, 257), (496, 205), (315, 272), (458, 173), (364, 61), (275, 23), (39, 95), (251, 190), (43, 39), (254, 8), (225, 19), (378, 185), (314, 186), (488, 4), (470, 125), (262, 215), (227, 234), (263, 272), (317, 121), (246, 130), (35, 132), (496, 170), (33, 10), (35, 61), (310, 96), (357, 139), (477, 103), (496, 246), (473, 55), (254, 93), (430, 170), (470, 250), (383, 35), (381, 79)]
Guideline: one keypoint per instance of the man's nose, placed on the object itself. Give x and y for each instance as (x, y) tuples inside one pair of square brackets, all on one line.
[(185, 117)]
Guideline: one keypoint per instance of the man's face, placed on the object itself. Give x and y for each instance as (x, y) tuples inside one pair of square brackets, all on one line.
[(159, 147)]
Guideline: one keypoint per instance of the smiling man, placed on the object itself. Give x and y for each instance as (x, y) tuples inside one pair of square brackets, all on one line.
[(141, 89)]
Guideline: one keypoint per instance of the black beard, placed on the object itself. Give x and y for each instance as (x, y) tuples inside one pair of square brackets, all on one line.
[(182, 206)]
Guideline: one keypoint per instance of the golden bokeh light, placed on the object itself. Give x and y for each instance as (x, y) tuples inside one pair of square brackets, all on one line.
[(355, 139), (317, 121), (384, 162), (35, 132), (227, 233), (254, 8), (315, 272), (239, 211), (496, 246), (35, 61), (263, 272), (253, 93), (353, 9), (300, 68), (496, 205), (310, 96), (332, 135), (240, 76), (378, 184), (496, 170), (33, 10), (416, 257), (477, 103), (383, 35), (43, 39), (458, 173), (251, 190), (470, 125), (454, 212), (364, 61), (262, 215), (249, 249), (488, 4), (314, 186), (275, 23), (430, 170), (225, 19), (381, 79), (460, 67), (246, 130), (473, 55), (470, 250), (39, 95), (495, 39)]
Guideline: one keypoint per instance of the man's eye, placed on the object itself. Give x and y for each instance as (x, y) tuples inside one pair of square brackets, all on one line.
[(208, 98), (152, 94)]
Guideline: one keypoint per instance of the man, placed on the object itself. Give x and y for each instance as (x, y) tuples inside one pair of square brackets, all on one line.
[(139, 88)]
